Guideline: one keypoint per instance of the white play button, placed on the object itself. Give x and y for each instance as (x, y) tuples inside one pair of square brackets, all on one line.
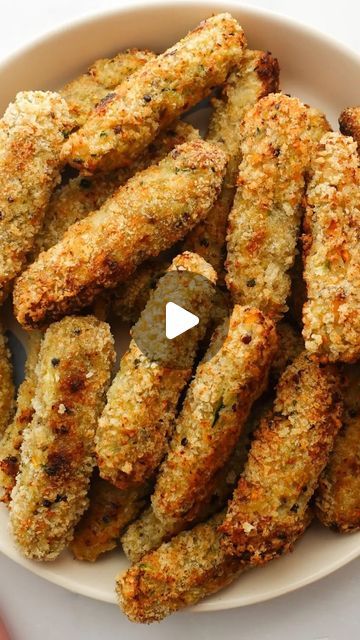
[(178, 320)]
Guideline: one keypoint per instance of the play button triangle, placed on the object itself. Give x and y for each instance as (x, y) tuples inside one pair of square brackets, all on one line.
[(178, 320)]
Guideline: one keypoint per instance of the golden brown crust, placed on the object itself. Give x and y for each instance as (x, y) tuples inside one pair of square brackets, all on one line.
[(349, 122), (7, 390), (338, 495), (181, 572), (193, 564), (110, 72), (148, 532), (290, 450), (278, 139), (71, 203), (83, 93), (110, 511), (134, 428), (331, 315), (291, 344), (256, 76), (123, 125), (57, 454), (31, 137), (130, 299), (151, 212), (11, 442), (76, 199), (231, 376)]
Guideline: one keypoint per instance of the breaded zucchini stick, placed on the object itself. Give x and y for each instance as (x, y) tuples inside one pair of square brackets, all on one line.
[(255, 77), (83, 93), (110, 72), (278, 138), (318, 126), (11, 442), (76, 199), (110, 511), (7, 390), (124, 124), (57, 454), (231, 376), (290, 450), (338, 495), (151, 212), (179, 573), (148, 531), (136, 423), (331, 314), (349, 122), (31, 135), (183, 581)]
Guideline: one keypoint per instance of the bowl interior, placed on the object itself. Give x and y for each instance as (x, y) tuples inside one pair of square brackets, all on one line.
[(314, 68)]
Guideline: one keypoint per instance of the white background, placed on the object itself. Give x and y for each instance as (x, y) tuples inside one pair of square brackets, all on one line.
[(36, 610)]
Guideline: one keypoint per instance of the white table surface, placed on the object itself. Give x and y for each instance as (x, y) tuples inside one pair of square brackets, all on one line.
[(36, 610)]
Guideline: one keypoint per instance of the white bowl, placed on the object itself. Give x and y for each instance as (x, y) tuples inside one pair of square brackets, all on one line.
[(313, 67)]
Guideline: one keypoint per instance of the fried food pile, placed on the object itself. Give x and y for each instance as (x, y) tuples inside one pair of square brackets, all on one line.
[(215, 458)]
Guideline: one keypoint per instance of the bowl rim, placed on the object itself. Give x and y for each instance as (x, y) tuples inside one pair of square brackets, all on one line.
[(137, 6)]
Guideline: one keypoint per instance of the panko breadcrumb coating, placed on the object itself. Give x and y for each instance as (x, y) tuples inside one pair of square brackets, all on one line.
[(31, 136), (134, 428), (125, 123), (318, 126), (338, 495), (289, 452), (83, 93), (7, 390), (349, 122), (279, 135), (110, 72), (76, 199), (291, 344), (331, 315), (151, 212), (57, 454), (130, 299), (297, 298), (110, 511), (255, 77), (231, 376), (148, 531), (11, 442), (179, 573), (70, 203)]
